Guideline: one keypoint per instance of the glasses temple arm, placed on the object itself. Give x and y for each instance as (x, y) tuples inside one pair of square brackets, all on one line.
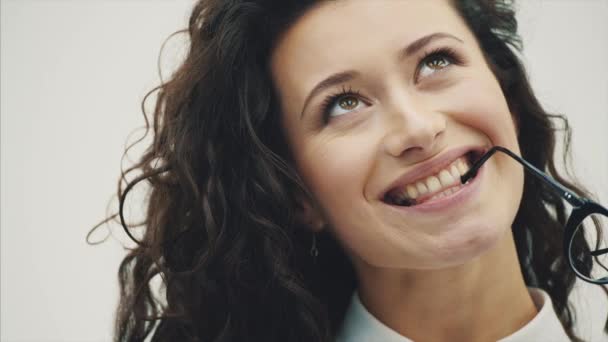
[(561, 190), (599, 252)]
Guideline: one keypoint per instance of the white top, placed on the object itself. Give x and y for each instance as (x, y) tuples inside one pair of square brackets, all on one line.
[(361, 326)]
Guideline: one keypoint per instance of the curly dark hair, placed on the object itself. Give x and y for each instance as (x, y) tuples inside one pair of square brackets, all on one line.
[(221, 224)]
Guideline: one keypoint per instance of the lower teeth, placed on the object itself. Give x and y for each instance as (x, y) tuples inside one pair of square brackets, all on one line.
[(407, 202)]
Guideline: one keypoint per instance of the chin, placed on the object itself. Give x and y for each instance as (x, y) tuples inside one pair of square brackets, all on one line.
[(467, 245)]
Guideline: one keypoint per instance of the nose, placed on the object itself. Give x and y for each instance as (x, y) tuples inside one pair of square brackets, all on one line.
[(413, 130)]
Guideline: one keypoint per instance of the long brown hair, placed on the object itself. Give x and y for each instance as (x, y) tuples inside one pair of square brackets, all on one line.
[(221, 228)]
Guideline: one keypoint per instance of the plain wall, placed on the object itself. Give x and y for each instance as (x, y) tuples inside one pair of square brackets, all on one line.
[(73, 74)]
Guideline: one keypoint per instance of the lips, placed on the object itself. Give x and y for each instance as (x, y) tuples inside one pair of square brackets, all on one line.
[(432, 179)]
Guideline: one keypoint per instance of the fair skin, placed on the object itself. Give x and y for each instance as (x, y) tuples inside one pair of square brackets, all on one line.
[(442, 270)]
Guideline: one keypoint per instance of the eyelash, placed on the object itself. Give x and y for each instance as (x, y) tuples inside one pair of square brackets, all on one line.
[(446, 52), (331, 100)]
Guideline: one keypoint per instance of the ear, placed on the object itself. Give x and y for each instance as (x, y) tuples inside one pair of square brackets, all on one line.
[(308, 214)]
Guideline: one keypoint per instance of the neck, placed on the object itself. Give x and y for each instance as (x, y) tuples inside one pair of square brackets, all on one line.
[(483, 300)]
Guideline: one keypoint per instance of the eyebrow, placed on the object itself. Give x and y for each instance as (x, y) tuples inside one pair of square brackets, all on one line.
[(345, 76), (422, 42)]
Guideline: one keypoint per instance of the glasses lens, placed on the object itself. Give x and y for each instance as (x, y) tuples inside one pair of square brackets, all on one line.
[(594, 264)]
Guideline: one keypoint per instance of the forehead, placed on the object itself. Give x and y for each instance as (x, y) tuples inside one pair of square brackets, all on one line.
[(355, 34)]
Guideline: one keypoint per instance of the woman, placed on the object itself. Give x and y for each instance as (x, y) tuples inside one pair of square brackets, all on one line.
[(303, 181)]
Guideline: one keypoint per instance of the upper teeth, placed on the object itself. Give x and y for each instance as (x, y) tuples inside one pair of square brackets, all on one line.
[(443, 179)]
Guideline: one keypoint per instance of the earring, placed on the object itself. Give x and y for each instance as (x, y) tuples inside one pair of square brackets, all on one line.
[(314, 251)]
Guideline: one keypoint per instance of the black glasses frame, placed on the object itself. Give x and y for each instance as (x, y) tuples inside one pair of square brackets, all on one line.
[(582, 207)]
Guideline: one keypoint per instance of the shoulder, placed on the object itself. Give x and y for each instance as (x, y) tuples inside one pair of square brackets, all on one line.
[(590, 304)]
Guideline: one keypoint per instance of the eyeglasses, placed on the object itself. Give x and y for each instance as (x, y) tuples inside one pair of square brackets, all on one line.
[(587, 263)]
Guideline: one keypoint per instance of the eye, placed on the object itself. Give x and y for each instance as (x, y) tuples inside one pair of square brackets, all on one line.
[(341, 103), (437, 60), (344, 104)]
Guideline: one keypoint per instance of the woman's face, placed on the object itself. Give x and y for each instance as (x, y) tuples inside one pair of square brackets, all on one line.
[(403, 125)]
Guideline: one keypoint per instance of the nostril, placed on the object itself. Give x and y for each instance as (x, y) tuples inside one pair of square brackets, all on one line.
[(413, 149)]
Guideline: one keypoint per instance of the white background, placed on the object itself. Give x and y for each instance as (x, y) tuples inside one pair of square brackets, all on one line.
[(73, 74)]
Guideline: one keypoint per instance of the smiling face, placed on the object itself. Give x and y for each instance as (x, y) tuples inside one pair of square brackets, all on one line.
[(405, 109)]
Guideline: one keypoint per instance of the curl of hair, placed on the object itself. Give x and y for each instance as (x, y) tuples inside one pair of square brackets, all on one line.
[(221, 227)]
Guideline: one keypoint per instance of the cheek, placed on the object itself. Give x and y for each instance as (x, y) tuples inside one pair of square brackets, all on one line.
[(490, 114), (482, 106), (336, 170), (482, 109)]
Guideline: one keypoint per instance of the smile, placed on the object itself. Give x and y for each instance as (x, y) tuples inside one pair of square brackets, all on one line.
[(437, 181)]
